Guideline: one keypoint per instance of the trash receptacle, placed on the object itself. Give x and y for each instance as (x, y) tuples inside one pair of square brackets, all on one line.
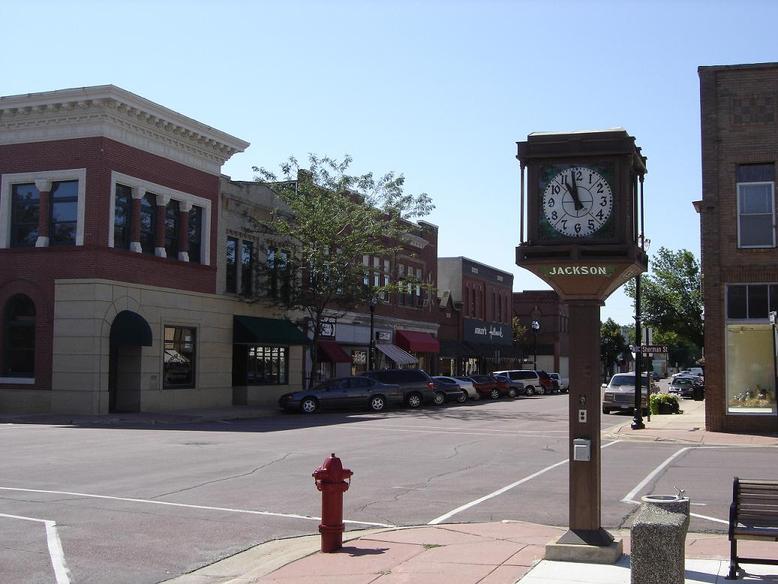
[(658, 539)]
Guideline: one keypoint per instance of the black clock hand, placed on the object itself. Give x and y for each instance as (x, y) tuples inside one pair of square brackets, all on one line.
[(573, 190)]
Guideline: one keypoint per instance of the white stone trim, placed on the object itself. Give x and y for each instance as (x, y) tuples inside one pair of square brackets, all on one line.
[(8, 180), (120, 115), (142, 186)]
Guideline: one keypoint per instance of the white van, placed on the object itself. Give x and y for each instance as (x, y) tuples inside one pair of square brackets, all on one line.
[(529, 377)]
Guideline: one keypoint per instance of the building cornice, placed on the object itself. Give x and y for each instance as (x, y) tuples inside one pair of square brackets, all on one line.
[(111, 112)]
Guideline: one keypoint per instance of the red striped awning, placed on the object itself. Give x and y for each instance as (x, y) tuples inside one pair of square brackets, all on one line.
[(418, 342), (331, 351)]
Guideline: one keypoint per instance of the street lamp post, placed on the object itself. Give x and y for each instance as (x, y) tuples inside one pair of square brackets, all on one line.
[(637, 419), (373, 302), (773, 318), (535, 330)]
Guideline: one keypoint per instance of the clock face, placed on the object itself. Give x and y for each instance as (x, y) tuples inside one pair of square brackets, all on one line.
[(577, 202)]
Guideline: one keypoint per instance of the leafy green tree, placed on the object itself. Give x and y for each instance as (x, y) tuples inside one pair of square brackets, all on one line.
[(613, 345), (329, 220), (671, 296)]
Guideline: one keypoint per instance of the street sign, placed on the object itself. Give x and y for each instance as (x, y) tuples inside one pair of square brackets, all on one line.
[(653, 348)]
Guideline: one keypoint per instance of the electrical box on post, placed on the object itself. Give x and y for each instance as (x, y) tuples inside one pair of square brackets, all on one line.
[(582, 450)]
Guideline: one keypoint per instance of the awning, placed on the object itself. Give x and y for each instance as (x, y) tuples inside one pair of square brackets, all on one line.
[(396, 354), (275, 331), (418, 342), (453, 349), (130, 328), (332, 352)]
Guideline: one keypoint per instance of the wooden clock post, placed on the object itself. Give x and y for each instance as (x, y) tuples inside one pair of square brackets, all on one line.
[(584, 232)]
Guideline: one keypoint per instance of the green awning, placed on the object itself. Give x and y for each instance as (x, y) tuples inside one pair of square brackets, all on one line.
[(274, 331)]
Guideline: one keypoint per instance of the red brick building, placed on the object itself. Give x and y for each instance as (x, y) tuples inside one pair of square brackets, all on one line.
[(108, 228), (739, 111), (551, 342)]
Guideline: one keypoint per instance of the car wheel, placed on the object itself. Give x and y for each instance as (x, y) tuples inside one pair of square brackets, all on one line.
[(439, 398), (377, 403), (495, 393), (309, 405), (414, 400), (530, 390), (462, 398), (511, 393), (606, 410)]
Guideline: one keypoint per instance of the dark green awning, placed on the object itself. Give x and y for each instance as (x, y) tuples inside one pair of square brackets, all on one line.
[(275, 331), (130, 328)]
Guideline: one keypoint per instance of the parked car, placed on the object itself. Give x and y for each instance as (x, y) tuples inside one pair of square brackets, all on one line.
[(516, 385), (493, 387), (529, 377), (564, 382), (619, 394), (417, 386), (686, 385), (341, 393), (456, 383), (550, 385)]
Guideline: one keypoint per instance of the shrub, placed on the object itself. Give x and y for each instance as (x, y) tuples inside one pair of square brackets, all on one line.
[(664, 403)]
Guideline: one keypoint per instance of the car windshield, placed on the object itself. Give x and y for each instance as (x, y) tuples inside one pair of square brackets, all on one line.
[(625, 380)]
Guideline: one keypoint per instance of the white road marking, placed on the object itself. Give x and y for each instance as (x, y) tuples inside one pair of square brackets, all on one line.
[(456, 432), (629, 497), (57, 555), (504, 489), (188, 506)]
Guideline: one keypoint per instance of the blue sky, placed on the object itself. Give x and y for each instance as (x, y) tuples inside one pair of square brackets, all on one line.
[(439, 91)]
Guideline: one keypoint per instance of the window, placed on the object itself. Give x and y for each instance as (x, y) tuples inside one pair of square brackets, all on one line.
[(172, 225), (755, 205), (750, 369), (25, 206), (195, 234), (247, 268), (64, 213), (19, 341), (268, 365), (148, 216), (751, 301), (179, 359), (122, 218), (232, 265), (279, 273)]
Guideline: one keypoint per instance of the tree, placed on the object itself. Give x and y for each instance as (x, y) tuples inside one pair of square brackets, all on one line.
[(328, 221), (671, 296), (612, 344)]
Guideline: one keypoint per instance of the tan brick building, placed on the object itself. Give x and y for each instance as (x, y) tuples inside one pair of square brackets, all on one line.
[(739, 252)]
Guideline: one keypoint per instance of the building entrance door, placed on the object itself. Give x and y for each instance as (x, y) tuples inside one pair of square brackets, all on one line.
[(129, 334)]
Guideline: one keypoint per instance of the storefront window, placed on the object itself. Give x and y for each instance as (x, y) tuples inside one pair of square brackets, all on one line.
[(750, 369), (179, 360), (268, 365), (358, 361)]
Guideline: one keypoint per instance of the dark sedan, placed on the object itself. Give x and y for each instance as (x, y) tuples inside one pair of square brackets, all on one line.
[(342, 393)]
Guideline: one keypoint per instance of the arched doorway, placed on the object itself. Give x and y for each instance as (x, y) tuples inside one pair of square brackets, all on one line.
[(129, 332)]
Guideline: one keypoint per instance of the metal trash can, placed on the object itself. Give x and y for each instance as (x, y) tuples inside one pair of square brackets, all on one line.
[(658, 539)]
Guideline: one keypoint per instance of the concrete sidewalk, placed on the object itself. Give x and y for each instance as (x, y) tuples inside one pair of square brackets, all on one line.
[(488, 553)]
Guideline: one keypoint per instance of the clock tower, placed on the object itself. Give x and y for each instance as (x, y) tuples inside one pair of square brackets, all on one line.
[(582, 207)]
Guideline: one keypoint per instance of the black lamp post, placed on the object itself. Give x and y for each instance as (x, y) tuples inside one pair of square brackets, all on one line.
[(773, 316), (373, 302), (637, 419), (535, 330)]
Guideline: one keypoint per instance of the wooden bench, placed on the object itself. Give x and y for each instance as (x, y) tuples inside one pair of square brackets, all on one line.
[(753, 515)]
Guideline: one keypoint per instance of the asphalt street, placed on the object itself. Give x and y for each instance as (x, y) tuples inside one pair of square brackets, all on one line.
[(147, 503)]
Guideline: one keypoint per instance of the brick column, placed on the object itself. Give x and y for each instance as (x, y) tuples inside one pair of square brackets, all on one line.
[(183, 230), (137, 195), (44, 212), (159, 228)]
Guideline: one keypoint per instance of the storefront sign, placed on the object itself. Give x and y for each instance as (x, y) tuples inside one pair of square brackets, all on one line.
[(383, 336), (479, 331), (327, 329)]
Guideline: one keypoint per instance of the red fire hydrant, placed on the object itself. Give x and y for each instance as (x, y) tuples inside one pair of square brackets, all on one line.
[(330, 479)]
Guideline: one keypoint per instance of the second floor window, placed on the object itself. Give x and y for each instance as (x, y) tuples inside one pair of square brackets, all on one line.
[(195, 234), (232, 265), (148, 215), (64, 213), (278, 273), (25, 206), (171, 229), (247, 268), (756, 205), (122, 219)]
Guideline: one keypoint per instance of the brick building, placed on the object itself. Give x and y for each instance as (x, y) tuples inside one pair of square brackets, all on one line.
[(475, 316), (109, 229), (551, 343), (404, 324), (739, 119)]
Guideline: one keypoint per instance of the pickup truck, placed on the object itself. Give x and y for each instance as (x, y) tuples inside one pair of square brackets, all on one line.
[(564, 382)]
